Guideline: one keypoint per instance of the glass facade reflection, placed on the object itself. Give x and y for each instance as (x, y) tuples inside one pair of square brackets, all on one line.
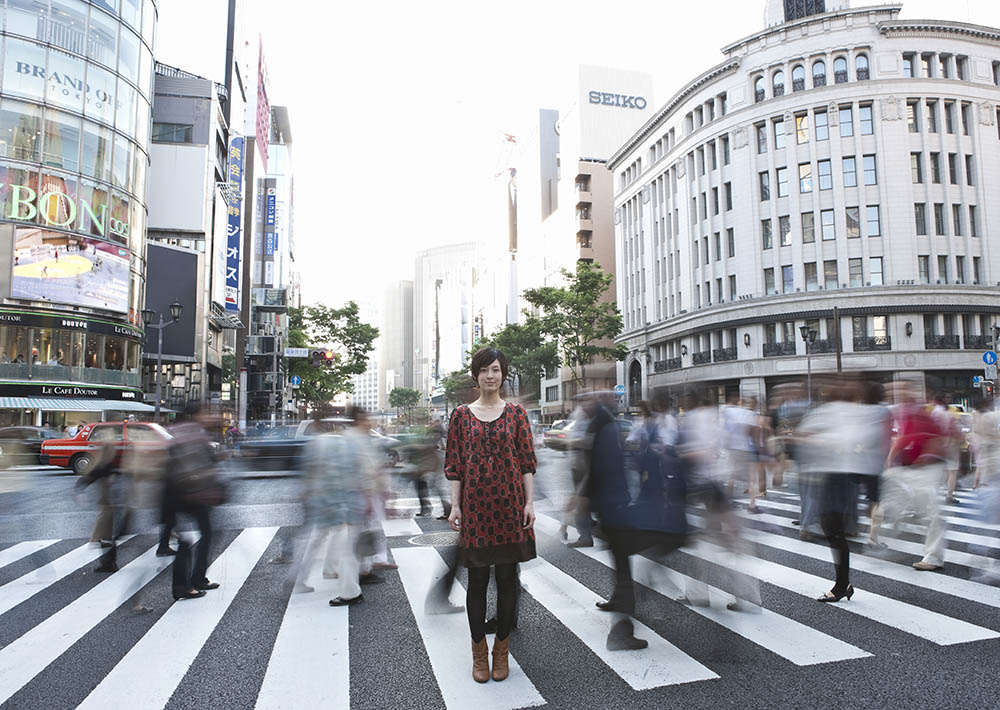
[(76, 81)]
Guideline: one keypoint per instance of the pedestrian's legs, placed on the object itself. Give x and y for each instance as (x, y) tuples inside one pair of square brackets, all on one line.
[(833, 528), (203, 516), (437, 597), (182, 568), (506, 577), (425, 502), (342, 547), (475, 601), (623, 598)]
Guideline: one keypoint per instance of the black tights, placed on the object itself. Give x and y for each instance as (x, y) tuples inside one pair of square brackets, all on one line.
[(475, 599)]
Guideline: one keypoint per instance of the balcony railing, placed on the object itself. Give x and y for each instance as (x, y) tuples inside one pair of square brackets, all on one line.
[(779, 90), (758, 96), (876, 342), (978, 342), (798, 84), (863, 75), (778, 349), (702, 358), (822, 346), (671, 363), (941, 342), (819, 80), (724, 354), (840, 77)]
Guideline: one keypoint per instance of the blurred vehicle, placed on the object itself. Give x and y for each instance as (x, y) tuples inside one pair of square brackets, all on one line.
[(77, 452), (22, 445), (556, 436), (281, 448)]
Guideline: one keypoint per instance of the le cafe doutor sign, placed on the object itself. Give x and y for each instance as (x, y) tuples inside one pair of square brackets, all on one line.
[(48, 389)]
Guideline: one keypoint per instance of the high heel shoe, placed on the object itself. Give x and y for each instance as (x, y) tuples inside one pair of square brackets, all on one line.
[(831, 597)]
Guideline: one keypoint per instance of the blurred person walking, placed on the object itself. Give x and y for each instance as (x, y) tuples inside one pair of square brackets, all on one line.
[(951, 441), (490, 461), (986, 435)]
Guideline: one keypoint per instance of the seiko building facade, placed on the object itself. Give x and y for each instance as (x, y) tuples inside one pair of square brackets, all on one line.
[(74, 141), (830, 179)]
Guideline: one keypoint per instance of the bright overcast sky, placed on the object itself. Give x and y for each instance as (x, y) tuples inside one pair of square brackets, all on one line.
[(398, 108)]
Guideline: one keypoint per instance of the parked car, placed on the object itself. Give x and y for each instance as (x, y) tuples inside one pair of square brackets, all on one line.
[(22, 445), (281, 448), (77, 452), (559, 436)]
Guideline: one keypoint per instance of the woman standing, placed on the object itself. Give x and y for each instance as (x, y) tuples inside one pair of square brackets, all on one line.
[(490, 461)]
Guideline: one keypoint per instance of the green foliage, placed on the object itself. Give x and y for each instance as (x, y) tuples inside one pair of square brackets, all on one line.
[(528, 353), (341, 330), (404, 398), (575, 319), (459, 387)]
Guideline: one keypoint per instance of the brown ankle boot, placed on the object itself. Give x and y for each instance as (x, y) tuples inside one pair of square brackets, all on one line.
[(501, 669), (480, 661)]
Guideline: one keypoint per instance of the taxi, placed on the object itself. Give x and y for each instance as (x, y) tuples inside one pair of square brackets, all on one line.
[(78, 452)]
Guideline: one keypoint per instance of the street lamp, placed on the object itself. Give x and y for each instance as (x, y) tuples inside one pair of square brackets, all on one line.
[(808, 338), (147, 317)]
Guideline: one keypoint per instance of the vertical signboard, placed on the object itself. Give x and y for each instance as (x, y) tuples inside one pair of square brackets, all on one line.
[(263, 109), (269, 210), (234, 229)]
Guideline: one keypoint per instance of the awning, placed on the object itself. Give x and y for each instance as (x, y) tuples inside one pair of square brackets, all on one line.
[(55, 404)]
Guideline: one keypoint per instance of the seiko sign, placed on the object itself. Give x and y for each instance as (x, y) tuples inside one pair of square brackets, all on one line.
[(620, 100)]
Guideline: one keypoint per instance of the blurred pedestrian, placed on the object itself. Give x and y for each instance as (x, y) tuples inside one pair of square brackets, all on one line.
[(113, 513), (490, 461)]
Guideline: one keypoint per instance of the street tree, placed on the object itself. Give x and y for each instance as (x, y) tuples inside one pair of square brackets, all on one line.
[(576, 321), (529, 353), (404, 398), (339, 329), (459, 387)]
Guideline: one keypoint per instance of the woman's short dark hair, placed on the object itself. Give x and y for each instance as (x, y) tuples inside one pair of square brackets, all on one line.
[(484, 357)]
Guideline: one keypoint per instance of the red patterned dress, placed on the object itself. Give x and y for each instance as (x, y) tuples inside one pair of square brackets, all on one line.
[(489, 459)]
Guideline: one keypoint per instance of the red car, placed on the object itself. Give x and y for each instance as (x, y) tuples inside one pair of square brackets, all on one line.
[(78, 452)]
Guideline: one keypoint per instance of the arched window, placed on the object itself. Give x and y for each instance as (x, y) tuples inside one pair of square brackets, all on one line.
[(819, 73), (798, 78), (758, 89), (861, 67), (778, 83), (840, 70)]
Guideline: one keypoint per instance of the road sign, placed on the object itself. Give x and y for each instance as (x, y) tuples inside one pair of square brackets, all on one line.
[(990, 357), (977, 381), (295, 380), (296, 352), (990, 373), (620, 390)]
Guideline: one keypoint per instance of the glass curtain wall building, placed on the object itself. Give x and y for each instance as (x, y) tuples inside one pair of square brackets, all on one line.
[(75, 92)]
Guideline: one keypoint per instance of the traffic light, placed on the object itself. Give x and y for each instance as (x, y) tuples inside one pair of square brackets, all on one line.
[(988, 388), (323, 358)]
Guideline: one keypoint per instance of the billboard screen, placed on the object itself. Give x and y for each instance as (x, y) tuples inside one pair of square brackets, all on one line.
[(62, 268), (172, 275)]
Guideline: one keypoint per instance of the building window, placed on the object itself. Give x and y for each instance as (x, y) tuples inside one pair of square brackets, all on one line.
[(924, 268), (966, 120), (798, 78), (704, 257), (973, 223), (802, 128), (916, 168), (765, 186), (782, 174), (932, 125), (761, 130), (846, 116), (715, 200), (956, 219), (939, 225), (732, 287), (730, 242), (856, 277), (873, 222), (953, 168), (865, 119), (870, 170), (717, 238), (819, 73), (172, 133), (778, 83), (852, 216), (913, 116), (875, 277), (908, 66), (961, 67), (960, 269), (830, 274), (729, 196), (808, 227), (770, 333), (840, 70), (826, 225), (920, 216), (822, 120), (785, 231), (949, 116), (769, 288), (812, 282), (969, 177), (942, 267), (787, 279), (552, 393), (766, 235), (850, 171), (805, 178), (779, 134), (935, 160), (758, 90), (927, 65), (976, 276), (725, 150), (861, 67), (825, 175)]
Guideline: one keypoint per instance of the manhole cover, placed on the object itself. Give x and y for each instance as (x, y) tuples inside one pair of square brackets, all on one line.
[(441, 539)]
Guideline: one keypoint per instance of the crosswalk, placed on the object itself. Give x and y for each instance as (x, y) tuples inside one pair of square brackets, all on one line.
[(310, 655)]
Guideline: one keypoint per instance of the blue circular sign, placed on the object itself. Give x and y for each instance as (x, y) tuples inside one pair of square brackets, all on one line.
[(619, 390), (990, 357), (295, 380)]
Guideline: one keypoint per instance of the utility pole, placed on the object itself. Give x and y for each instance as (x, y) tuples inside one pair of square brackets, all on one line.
[(836, 328), (437, 333)]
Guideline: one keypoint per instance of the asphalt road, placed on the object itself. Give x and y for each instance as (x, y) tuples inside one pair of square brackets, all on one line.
[(69, 637)]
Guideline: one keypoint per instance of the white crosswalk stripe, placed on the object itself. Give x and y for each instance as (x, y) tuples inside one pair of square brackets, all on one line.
[(309, 660)]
